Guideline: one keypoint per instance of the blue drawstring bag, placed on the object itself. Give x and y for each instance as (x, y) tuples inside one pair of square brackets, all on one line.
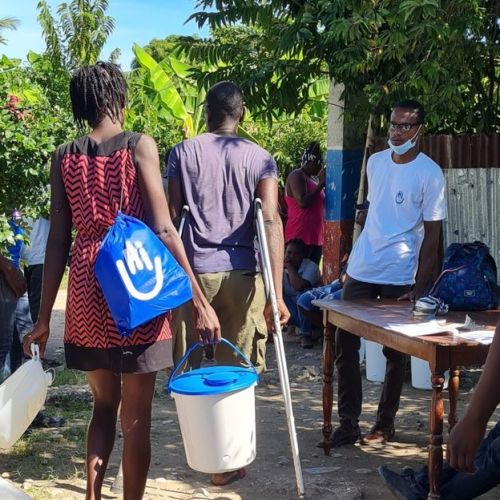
[(139, 277)]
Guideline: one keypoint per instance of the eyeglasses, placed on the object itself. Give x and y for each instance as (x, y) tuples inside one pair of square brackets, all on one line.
[(402, 127)]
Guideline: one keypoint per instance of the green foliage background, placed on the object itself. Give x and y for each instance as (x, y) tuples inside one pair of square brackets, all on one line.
[(446, 53), (27, 141), (282, 52)]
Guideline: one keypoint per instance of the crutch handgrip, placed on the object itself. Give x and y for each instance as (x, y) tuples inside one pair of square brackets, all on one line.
[(184, 214)]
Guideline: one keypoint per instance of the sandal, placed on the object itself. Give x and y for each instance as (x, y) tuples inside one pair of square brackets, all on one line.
[(224, 478), (42, 420)]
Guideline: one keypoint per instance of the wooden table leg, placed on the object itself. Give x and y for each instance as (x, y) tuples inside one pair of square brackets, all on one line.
[(453, 388), (436, 436), (328, 360)]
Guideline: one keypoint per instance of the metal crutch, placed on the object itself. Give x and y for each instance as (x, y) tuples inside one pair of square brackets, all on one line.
[(117, 486), (278, 343), (184, 214)]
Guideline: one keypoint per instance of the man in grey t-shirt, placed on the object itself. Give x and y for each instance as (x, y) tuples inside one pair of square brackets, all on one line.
[(218, 175)]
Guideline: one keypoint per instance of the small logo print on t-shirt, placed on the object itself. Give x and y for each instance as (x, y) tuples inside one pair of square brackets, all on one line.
[(400, 198)]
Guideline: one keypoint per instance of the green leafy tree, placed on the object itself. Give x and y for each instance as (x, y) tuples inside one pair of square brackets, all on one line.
[(443, 52), (30, 129), (163, 89), (79, 33), (286, 140), (7, 23), (247, 55)]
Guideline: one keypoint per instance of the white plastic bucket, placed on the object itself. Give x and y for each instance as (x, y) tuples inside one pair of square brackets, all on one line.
[(218, 431), (375, 362), (9, 492), (216, 411), (421, 374), (22, 396)]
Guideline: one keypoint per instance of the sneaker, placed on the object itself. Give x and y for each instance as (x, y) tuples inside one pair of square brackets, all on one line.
[(402, 485), (429, 305), (306, 342), (379, 435), (343, 435)]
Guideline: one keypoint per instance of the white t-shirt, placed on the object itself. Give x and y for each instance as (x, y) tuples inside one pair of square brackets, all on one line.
[(402, 197), (308, 270), (35, 253)]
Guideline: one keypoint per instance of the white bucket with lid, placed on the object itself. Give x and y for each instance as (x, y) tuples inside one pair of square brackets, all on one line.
[(375, 361), (421, 374), (216, 410)]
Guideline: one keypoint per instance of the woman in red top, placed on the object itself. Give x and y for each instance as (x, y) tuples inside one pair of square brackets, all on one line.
[(305, 199), (91, 178)]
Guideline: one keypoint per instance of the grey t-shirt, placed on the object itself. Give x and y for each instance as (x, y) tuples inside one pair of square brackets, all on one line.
[(219, 176)]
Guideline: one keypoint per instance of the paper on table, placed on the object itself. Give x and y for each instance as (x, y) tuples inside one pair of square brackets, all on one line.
[(425, 328), (482, 336)]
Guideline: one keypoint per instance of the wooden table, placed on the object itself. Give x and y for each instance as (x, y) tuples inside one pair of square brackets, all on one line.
[(369, 318)]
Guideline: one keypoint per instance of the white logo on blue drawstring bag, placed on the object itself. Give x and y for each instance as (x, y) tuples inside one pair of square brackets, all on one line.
[(139, 277)]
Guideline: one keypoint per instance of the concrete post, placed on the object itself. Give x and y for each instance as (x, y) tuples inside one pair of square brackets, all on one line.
[(343, 164)]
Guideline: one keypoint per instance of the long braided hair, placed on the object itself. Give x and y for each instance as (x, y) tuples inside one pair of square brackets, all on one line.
[(97, 91)]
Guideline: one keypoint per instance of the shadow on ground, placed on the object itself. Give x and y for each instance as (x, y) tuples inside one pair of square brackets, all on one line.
[(50, 463)]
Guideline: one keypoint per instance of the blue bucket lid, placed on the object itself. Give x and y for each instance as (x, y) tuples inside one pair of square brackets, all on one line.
[(213, 380)]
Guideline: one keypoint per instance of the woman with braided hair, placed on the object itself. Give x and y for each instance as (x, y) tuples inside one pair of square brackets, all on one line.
[(92, 178), (305, 199)]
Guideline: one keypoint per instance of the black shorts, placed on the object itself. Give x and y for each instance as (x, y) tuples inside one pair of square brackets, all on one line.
[(146, 358)]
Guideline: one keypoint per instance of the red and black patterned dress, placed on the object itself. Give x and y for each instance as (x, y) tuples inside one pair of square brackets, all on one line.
[(96, 177)]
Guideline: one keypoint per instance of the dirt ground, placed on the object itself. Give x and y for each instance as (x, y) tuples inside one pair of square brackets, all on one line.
[(349, 473)]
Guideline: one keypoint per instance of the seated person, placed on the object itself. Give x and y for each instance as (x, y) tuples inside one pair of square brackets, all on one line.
[(310, 316), (473, 466), (299, 275)]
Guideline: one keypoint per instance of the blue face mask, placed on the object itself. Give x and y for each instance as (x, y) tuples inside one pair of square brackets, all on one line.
[(406, 146)]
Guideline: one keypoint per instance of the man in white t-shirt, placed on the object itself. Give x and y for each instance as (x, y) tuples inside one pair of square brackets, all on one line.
[(28, 305), (35, 257), (396, 256)]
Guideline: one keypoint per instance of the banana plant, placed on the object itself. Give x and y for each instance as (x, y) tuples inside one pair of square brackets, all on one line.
[(169, 86)]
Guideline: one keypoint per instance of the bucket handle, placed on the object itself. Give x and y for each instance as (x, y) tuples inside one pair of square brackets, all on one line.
[(195, 346), (35, 351)]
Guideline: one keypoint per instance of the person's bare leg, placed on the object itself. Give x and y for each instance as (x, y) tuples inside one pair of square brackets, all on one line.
[(135, 417), (106, 390)]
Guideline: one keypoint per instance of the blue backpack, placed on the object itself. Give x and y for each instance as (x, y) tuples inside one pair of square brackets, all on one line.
[(469, 278), (139, 277)]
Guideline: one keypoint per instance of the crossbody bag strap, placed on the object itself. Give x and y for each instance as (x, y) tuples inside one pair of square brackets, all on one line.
[(132, 140)]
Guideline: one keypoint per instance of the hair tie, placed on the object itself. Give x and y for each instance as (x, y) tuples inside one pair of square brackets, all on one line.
[(308, 157)]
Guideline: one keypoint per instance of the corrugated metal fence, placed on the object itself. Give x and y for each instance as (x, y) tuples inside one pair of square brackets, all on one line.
[(459, 151), (471, 165)]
